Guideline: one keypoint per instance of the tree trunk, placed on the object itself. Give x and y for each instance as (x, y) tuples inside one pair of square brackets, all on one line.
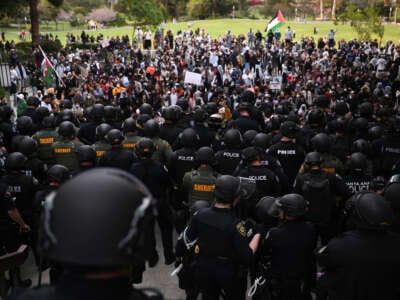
[(34, 14), (333, 14), (321, 9)]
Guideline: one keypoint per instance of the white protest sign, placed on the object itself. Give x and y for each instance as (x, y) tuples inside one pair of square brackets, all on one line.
[(193, 78)]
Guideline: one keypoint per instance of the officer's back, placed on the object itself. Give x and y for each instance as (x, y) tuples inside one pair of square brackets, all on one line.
[(116, 157)]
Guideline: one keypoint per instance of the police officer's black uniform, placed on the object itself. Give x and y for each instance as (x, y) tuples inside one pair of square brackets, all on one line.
[(363, 263), (222, 249), (229, 158)]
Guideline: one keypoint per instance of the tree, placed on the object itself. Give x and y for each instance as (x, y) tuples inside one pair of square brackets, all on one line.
[(364, 21), (146, 12), (102, 15)]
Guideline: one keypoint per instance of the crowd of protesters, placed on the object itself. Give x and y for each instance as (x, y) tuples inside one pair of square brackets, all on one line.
[(279, 111)]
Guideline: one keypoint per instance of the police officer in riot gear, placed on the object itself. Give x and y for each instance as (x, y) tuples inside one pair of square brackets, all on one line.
[(181, 161), (155, 177), (287, 151), (163, 152), (86, 157), (325, 193), (222, 250), (170, 129), (116, 157), (290, 247), (96, 264), (229, 158), (87, 132), (130, 134), (356, 179), (199, 184), (24, 128), (391, 194), (363, 263), (45, 138), (33, 166), (101, 145), (263, 142), (22, 188), (64, 150), (6, 126)]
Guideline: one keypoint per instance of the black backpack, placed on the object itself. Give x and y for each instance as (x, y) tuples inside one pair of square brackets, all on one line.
[(316, 190)]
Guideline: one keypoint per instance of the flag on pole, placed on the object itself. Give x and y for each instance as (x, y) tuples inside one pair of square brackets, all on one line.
[(276, 22), (48, 71)]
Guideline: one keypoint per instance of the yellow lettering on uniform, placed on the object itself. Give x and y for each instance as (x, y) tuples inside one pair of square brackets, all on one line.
[(44, 141), (99, 153), (329, 170), (62, 150), (204, 187), (130, 146)]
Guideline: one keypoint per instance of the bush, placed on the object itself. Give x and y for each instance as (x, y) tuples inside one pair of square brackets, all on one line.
[(51, 46), (2, 92), (120, 21)]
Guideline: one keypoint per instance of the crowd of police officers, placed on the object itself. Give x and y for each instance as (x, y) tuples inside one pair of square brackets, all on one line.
[(300, 204)]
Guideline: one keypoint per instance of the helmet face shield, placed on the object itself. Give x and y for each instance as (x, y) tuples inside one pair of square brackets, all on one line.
[(97, 219)]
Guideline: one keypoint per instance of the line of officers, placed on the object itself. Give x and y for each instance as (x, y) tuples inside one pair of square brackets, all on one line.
[(246, 201)]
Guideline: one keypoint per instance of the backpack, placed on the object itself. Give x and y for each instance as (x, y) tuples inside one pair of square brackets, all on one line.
[(316, 190)]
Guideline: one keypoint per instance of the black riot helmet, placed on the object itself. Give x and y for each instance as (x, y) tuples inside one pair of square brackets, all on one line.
[(172, 113), (27, 146), (233, 138), (289, 129), (366, 109), (357, 162), (262, 140), (98, 111), (316, 118), (293, 205), (75, 220), (341, 108), (66, 129), (145, 148), (182, 103), (370, 211), (360, 124), (313, 159), (265, 211), (376, 132), (86, 153), (204, 155), (42, 112), (110, 112), (49, 122), (102, 130), (15, 161), (24, 125), (33, 101), (197, 205), (66, 115), (392, 192), (340, 125), (58, 173), (321, 142), (189, 138), (250, 154), (146, 109), (211, 108), (362, 146), (114, 137), (151, 128), (65, 104), (141, 120), (248, 136), (5, 113), (274, 123), (129, 125), (200, 115), (227, 188)]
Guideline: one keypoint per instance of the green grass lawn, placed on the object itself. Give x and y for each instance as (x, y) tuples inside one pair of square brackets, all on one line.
[(219, 27)]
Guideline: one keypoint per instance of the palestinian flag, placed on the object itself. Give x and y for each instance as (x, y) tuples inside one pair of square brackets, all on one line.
[(276, 22), (47, 72)]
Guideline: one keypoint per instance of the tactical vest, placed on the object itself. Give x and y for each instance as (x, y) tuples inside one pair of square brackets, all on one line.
[(202, 185), (130, 142), (100, 147), (45, 138), (65, 154)]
